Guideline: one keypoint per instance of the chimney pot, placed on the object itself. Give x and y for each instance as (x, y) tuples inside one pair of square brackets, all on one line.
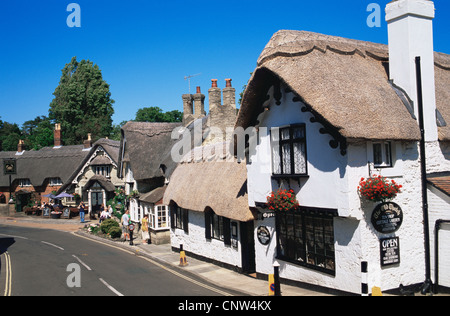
[(88, 142), (228, 83), (213, 83), (20, 146), (57, 135), (199, 90)]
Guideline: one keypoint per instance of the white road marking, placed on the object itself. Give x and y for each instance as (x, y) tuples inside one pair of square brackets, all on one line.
[(111, 288), (50, 244), (84, 264), (12, 236)]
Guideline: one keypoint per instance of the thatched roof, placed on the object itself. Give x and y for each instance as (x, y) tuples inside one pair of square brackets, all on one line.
[(147, 147), (110, 146), (44, 164), (442, 81), (104, 183), (344, 81), (218, 182)]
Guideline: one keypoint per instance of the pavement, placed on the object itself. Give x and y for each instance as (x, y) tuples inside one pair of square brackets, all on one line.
[(163, 254)]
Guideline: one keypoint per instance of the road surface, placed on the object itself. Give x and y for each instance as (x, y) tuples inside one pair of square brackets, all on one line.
[(42, 262)]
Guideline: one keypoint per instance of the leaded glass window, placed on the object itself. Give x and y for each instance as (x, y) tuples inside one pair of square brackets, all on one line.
[(289, 150)]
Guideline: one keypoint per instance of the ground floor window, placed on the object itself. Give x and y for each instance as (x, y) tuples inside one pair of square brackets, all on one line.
[(306, 237), (180, 218), (217, 227), (159, 217)]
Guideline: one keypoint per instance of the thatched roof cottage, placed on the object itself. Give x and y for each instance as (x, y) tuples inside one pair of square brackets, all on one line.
[(328, 111)]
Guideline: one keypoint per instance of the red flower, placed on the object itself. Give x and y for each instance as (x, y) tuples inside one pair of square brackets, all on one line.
[(377, 188), (282, 200)]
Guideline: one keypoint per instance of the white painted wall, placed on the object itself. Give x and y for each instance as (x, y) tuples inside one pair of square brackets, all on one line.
[(332, 183), (324, 163), (196, 242)]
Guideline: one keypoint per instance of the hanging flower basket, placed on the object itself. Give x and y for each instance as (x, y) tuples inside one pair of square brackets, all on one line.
[(378, 189), (282, 200)]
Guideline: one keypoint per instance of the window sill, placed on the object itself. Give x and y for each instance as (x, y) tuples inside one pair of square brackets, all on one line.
[(306, 265), (290, 176), (297, 177)]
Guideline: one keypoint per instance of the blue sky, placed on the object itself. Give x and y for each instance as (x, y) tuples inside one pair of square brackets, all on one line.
[(146, 48)]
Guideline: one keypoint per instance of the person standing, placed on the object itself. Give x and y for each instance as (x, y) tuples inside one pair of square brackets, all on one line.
[(144, 229), (125, 224), (82, 208)]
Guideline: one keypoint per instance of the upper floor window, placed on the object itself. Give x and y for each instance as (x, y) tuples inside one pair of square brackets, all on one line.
[(103, 171), (382, 156), (289, 150), (55, 181), (24, 183)]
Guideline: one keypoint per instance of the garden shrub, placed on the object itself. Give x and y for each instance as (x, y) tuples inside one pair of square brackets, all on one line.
[(115, 232), (107, 225)]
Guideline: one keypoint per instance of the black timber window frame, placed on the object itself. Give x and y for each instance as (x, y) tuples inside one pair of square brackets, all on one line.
[(305, 237), (289, 151), (217, 227), (179, 218)]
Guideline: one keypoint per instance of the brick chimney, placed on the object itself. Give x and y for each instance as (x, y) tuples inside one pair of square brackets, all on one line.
[(229, 94), (57, 135), (214, 95), (188, 109), (88, 142), (20, 146), (199, 104), (410, 33), (222, 116)]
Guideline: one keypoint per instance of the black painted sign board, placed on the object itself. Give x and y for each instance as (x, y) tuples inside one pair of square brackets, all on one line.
[(387, 217), (389, 251)]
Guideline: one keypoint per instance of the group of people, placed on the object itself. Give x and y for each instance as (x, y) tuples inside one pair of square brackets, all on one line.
[(125, 221), (104, 213), (126, 227)]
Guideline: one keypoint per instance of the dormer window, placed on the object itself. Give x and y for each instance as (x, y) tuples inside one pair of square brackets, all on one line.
[(24, 183), (55, 182)]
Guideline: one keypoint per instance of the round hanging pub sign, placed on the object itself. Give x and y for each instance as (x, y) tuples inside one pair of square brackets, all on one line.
[(387, 217), (263, 235)]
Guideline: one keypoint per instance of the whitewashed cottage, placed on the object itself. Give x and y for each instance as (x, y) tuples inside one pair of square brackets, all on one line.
[(207, 193), (329, 111)]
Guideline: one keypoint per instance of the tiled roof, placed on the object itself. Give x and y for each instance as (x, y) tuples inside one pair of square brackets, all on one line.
[(440, 182)]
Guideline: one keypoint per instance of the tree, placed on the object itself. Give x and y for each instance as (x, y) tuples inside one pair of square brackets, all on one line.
[(155, 114), (9, 136), (38, 133), (82, 103)]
